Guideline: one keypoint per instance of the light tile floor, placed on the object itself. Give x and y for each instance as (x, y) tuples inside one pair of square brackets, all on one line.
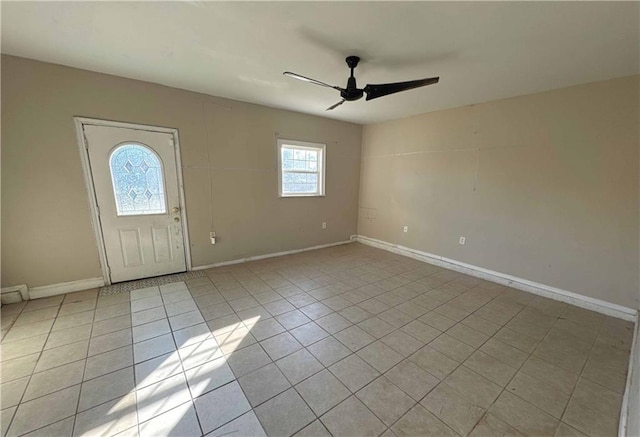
[(346, 341)]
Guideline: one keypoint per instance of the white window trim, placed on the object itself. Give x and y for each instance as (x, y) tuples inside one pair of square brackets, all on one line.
[(321, 171)]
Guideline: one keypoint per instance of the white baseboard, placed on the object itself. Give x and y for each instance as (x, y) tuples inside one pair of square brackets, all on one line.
[(632, 388), (14, 294), (85, 284), (590, 303), (65, 287), (272, 255)]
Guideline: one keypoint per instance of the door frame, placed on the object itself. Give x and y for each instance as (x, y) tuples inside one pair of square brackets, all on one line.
[(83, 146)]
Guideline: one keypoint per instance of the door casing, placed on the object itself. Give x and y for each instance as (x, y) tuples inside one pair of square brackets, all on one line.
[(91, 192)]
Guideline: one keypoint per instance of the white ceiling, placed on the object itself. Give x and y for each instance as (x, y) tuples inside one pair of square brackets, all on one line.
[(481, 50)]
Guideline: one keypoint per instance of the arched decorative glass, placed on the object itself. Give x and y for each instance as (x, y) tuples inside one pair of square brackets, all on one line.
[(138, 184)]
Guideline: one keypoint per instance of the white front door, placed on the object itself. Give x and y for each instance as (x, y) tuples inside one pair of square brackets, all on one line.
[(136, 185)]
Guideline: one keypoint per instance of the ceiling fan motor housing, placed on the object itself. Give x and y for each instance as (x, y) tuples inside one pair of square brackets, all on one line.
[(352, 92)]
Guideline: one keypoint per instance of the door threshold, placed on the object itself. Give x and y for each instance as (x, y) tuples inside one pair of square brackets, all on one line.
[(124, 287)]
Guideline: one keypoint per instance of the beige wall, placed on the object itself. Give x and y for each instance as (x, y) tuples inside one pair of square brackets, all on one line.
[(46, 230), (544, 187)]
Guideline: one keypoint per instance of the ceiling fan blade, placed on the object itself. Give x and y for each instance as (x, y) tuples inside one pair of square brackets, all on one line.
[(336, 105), (308, 79), (384, 89)]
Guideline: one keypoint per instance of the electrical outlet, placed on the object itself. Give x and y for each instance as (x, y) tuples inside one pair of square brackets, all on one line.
[(405, 229), (212, 237), (462, 240), (324, 225)]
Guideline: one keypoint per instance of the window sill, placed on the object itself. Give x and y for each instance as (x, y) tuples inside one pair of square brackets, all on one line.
[(287, 196)]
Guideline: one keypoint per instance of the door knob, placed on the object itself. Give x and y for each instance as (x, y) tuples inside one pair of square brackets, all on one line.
[(176, 209), (176, 219)]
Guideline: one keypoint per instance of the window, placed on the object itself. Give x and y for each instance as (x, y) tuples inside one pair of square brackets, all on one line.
[(300, 168), (138, 187)]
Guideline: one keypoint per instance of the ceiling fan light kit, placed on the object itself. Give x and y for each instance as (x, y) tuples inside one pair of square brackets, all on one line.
[(352, 92)]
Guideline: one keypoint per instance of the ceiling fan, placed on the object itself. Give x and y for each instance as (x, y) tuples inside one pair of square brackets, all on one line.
[(352, 92)]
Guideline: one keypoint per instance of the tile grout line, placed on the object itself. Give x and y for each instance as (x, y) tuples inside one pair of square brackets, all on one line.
[(530, 354), (12, 324), (60, 305), (133, 356), (478, 348), (231, 294), (259, 343), (462, 364), (235, 377), (351, 393), (35, 366), (184, 373), (593, 344), (352, 353), (182, 366), (84, 370), (292, 386), (504, 389)]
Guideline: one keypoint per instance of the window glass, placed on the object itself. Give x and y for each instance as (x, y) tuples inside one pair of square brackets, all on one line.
[(301, 168), (138, 185)]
